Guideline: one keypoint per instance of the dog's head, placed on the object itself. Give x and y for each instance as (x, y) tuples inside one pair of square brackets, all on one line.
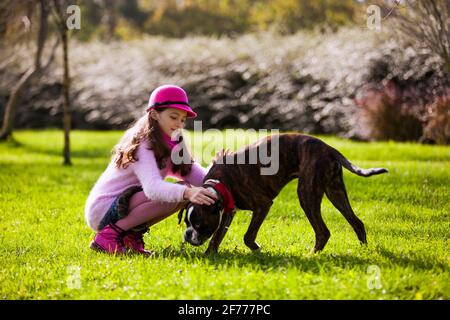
[(202, 221)]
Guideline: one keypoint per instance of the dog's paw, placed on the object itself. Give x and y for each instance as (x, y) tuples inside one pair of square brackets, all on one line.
[(253, 246), (210, 251)]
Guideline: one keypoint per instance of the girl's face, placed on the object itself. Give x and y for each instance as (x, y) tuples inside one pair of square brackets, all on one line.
[(170, 119)]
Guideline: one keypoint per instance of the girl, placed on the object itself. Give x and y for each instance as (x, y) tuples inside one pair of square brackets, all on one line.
[(131, 194)]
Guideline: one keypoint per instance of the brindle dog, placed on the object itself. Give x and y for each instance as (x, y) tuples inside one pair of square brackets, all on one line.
[(318, 168)]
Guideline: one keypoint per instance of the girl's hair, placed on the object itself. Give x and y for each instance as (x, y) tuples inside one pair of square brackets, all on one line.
[(147, 128)]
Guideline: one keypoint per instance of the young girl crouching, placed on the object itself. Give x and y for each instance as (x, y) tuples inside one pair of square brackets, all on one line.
[(131, 194)]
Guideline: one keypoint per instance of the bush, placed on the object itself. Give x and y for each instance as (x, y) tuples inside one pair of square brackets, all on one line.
[(437, 125), (305, 82), (386, 116), (391, 113)]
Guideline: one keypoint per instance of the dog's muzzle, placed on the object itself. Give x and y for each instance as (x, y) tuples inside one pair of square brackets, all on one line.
[(191, 236)]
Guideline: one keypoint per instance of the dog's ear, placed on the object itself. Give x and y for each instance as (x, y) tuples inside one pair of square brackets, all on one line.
[(180, 215)]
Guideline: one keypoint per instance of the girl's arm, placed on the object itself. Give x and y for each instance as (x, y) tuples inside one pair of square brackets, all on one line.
[(148, 174), (195, 177)]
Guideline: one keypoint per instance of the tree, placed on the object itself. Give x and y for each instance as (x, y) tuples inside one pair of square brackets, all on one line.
[(110, 18), (18, 11), (428, 23), (62, 29)]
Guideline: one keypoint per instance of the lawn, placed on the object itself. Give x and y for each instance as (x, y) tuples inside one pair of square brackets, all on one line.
[(44, 239)]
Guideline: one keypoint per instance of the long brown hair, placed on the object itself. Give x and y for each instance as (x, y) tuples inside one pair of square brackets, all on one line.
[(148, 128)]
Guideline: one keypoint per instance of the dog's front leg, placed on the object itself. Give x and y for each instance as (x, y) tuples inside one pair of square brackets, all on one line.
[(257, 219), (220, 233)]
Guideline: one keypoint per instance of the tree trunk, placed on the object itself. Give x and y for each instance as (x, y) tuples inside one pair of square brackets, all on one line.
[(13, 102), (66, 89), (22, 85), (110, 18), (63, 32)]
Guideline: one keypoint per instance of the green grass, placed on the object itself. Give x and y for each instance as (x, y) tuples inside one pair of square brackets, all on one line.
[(44, 239)]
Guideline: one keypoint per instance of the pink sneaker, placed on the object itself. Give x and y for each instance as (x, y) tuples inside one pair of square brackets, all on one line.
[(134, 240), (109, 240)]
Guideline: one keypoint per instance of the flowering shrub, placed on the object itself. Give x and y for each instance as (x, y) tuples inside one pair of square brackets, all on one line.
[(305, 82), (386, 116), (390, 113), (437, 120)]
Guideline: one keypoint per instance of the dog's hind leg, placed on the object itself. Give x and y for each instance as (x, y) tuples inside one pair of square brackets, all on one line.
[(310, 193), (337, 194)]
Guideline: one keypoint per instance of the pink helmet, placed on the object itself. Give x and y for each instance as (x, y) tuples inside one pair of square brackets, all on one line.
[(170, 96)]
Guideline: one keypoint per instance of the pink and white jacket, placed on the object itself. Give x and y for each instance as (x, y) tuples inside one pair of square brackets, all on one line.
[(145, 173)]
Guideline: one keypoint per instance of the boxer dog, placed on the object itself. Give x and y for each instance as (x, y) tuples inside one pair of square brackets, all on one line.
[(240, 185)]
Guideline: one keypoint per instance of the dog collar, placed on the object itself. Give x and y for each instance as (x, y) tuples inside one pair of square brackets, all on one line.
[(228, 201)]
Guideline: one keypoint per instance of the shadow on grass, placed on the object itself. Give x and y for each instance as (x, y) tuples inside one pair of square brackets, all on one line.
[(11, 143), (412, 261), (92, 152), (53, 168), (266, 261), (315, 263)]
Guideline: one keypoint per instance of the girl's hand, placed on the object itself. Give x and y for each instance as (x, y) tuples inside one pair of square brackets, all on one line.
[(199, 195)]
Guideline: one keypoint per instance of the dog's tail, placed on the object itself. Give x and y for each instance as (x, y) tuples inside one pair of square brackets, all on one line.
[(355, 169)]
